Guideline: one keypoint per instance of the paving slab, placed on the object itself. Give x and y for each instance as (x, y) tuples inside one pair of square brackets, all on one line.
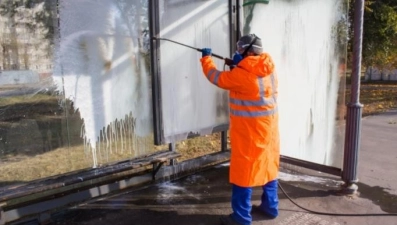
[(201, 198)]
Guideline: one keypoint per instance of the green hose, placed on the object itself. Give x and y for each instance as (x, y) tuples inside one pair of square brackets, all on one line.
[(256, 1)]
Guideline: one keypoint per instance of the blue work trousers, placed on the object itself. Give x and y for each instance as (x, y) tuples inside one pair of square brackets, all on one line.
[(241, 202)]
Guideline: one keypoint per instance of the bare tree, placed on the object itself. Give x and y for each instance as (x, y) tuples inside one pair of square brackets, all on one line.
[(26, 21)]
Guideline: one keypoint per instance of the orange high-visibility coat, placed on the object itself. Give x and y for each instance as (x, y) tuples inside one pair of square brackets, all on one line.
[(254, 132)]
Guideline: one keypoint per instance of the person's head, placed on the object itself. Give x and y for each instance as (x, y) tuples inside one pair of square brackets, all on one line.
[(249, 45)]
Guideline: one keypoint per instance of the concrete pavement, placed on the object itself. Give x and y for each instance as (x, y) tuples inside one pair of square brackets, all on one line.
[(201, 198)]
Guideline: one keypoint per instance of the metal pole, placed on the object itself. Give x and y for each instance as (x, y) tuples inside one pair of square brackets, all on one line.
[(354, 108), (155, 71), (172, 147), (224, 141)]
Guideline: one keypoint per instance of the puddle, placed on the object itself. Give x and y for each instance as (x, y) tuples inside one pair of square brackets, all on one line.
[(173, 192), (379, 196)]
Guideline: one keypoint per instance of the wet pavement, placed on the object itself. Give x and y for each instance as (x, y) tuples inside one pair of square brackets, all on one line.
[(200, 199)]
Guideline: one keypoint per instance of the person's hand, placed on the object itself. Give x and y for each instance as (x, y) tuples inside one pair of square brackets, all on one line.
[(237, 58), (206, 52)]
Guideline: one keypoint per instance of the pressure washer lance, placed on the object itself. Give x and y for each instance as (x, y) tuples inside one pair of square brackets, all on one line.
[(228, 61)]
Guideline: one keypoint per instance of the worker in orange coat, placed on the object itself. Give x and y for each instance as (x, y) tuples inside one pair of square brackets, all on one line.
[(254, 132)]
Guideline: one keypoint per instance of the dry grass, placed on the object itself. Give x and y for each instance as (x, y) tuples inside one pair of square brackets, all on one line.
[(199, 146), (24, 168), (376, 98), (51, 163), (27, 99)]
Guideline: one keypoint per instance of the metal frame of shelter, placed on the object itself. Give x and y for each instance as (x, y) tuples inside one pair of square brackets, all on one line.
[(40, 199), (156, 70), (235, 29), (348, 173)]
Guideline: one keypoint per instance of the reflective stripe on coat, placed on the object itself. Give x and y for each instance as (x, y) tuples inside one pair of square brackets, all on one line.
[(254, 132)]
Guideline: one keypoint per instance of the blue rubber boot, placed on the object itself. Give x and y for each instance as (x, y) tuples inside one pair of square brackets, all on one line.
[(241, 205), (269, 204)]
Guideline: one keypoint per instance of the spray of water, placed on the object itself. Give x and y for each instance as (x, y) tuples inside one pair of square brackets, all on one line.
[(169, 191), (300, 36), (99, 67)]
